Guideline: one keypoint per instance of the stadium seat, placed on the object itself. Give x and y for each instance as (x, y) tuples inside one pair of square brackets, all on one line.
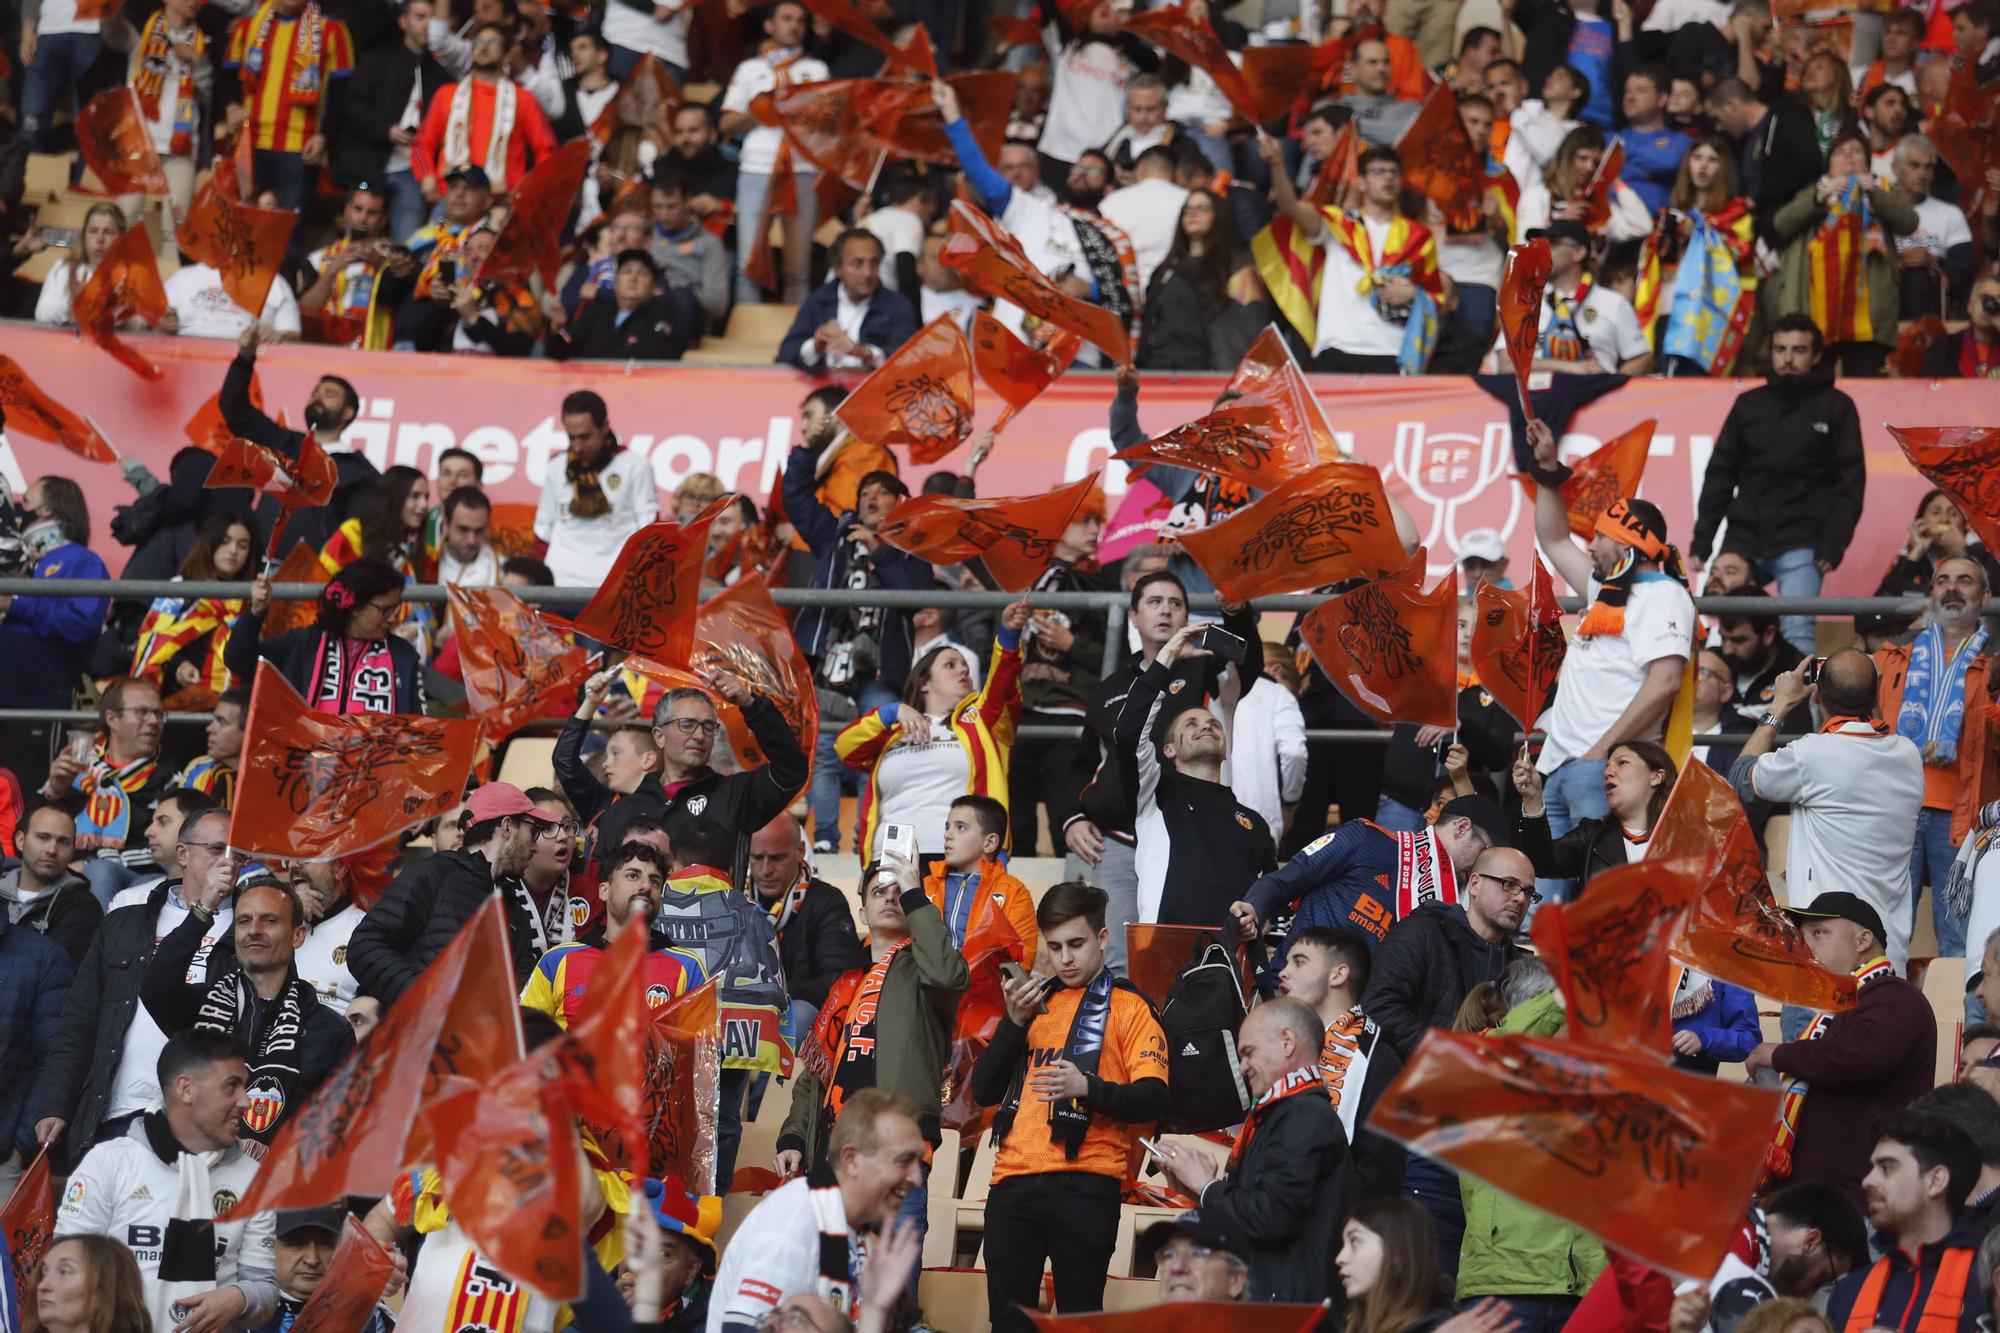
[(527, 761), (1944, 986)]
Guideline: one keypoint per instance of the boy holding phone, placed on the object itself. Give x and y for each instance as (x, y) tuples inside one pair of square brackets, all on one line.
[(1075, 1083)]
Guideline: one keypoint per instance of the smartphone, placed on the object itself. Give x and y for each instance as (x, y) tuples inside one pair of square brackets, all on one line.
[(1813, 667), (447, 271), (1013, 971), (1222, 643), (900, 839), (62, 238), (1152, 1147)]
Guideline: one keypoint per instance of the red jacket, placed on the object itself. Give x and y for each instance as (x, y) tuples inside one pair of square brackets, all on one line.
[(530, 132)]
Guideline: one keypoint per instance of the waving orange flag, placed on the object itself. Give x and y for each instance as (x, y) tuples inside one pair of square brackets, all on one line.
[(355, 1278), (315, 786), (993, 263), (1736, 932), (1391, 647), (921, 395), (1596, 195), (1016, 536), (742, 632), (1280, 75), (126, 283), (1011, 368), (1322, 526), (820, 120), (1518, 645), (531, 239), (1609, 472), (244, 244), (205, 430), (111, 134), (516, 660), (901, 117), (462, 1017), (300, 565), (1269, 374), (1645, 1157), (1240, 442), (40, 417), (27, 1220), (1439, 160), (680, 1073), (647, 603), (647, 97), (1172, 30), (1964, 462), (1521, 287), (1608, 952)]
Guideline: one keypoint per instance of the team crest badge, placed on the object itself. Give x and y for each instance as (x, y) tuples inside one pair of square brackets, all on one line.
[(657, 994), (267, 1103), (613, 482), (1176, 685), (697, 805), (579, 913), (223, 1201), (340, 955), (1243, 819)]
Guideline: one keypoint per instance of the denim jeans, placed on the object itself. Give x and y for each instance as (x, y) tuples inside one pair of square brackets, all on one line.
[(752, 190), (1117, 873), (1930, 863), (624, 60), (1533, 1314), (1396, 817), (285, 175), (108, 877), (1572, 794), (917, 1208), (1796, 576), (60, 58), (408, 209)]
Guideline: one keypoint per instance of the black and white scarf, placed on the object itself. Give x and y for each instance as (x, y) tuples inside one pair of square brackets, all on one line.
[(273, 1030), (842, 1253), (1069, 1118), (551, 923)]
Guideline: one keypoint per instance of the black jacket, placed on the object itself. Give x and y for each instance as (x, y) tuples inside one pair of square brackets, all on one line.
[(819, 943), (650, 333), (359, 120), (887, 324), (296, 651), (1788, 470), (1424, 970), (1780, 158), (161, 525), (1582, 854), (67, 914), (1284, 1202), (418, 916), (353, 470)]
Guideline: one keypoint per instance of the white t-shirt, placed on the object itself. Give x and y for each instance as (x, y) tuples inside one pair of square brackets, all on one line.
[(1148, 212), (901, 233), (1940, 226), (1476, 260), (1600, 674), (959, 303), (759, 74), (1630, 219), (1086, 98), (60, 16), (1348, 320), (581, 549), (322, 960), (136, 1086), (53, 305), (773, 1257), (205, 310), (1606, 322), (637, 30), (916, 784)]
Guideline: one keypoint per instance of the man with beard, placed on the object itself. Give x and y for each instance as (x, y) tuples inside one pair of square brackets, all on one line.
[(1749, 641), (634, 876), (1816, 1238), (1920, 1175), (1885, 118), (332, 405), (603, 495), (711, 177)]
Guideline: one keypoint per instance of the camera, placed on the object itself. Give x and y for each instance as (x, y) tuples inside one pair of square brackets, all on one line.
[(1991, 305), (15, 561)]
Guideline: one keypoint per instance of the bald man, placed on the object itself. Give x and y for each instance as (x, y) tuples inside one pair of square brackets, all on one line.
[(817, 940), (1285, 1189)]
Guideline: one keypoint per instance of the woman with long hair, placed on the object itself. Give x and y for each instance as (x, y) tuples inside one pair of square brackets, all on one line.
[(348, 661), (1838, 264), (389, 526), (1713, 226), (1388, 1268), (87, 1284), (1559, 194), (1206, 273), (181, 640), (1827, 89), (102, 226)]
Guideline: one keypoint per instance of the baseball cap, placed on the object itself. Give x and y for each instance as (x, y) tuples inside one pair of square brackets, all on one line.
[(497, 800), (1841, 906), (471, 175), (330, 1218), (1563, 229), (684, 1214), (1483, 811), (1482, 544), (1193, 1225)]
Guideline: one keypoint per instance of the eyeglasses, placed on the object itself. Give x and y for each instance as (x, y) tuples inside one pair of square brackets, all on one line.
[(386, 608), (557, 832), (1513, 887), (1710, 673), (690, 725), (212, 848), (1168, 1254)]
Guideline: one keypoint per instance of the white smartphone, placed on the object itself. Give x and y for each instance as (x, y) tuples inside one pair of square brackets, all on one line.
[(1152, 1147), (900, 839)]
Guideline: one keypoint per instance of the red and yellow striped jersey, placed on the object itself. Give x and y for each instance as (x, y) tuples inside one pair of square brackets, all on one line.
[(285, 65)]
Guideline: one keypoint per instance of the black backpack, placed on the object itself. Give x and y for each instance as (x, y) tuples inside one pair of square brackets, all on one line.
[(1204, 1008)]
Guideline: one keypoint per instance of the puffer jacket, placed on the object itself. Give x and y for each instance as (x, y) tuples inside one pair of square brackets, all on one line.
[(418, 916), (35, 975), (1426, 967)]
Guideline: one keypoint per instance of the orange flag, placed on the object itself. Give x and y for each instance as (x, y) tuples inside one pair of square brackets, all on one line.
[(305, 484), (1439, 160), (205, 429), (820, 120), (300, 565), (1736, 932), (1596, 196), (647, 603), (316, 786), (1322, 526), (1190, 1317), (127, 283), (40, 417), (1240, 442), (1963, 129), (980, 1009), (601, 1061), (1518, 645), (461, 1017), (516, 659), (921, 395), (1270, 375), (1016, 536), (111, 133), (1644, 1157), (1521, 287), (1391, 647), (1964, 462), (1280, 75), (741, 631), (27, 1220), (916, 56), (682, 1066), (244, 244), (646, 98), (1608, 952), (1342, 165), (1608, 473), (1011, 368), (1193, 40), (355, 1279), (531, 239), (993, 263), (901, 118)]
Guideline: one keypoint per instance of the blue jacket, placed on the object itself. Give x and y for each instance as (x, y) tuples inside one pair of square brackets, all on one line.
[(1727, 1026), (43, 640), (35, 974), (1345, 879), (1908, 1290), (1652, 160), (888, 323)]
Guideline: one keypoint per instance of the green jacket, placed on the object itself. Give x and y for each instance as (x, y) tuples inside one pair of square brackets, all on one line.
[(1511, 1249), (913, 1027), (1795, 223)]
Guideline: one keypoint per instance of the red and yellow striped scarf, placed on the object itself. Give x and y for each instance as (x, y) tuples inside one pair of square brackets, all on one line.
[(1838, 254)]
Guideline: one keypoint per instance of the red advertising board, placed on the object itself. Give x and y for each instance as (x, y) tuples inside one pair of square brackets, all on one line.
[(1441, 441)]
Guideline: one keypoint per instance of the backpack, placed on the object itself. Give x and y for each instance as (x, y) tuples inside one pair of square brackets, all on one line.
[(1205, 1006)]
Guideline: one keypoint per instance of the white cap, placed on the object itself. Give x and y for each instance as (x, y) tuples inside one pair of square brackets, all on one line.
[(1482, 544)]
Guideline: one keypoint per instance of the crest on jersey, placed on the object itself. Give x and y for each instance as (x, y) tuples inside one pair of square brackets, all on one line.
[(267, 1103)]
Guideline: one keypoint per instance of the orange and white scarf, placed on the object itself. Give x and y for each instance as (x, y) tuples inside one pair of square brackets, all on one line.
[(1343, 1064), (458, 130)]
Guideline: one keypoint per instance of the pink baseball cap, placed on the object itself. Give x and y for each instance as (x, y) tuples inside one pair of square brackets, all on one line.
[(497, 800)]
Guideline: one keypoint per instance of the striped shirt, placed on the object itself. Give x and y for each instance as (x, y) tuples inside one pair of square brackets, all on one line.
[(285, 75)]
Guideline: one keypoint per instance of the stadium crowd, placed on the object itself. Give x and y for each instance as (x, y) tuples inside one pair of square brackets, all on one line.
[(169, 1005)]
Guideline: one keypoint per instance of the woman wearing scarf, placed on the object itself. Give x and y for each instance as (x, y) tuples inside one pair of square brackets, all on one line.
[(347, 662), (1714, 287), (182, 639), (1638, 776), (1838, 264)]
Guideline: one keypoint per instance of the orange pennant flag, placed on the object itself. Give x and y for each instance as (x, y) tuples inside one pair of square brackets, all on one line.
[(1174, 31), (354, 1280), (1320, 527), (1010, 32), (111, 134), (920, 396), (1269, 374), (516, 660), (916, 56), (1596, 195), (681, 1073), (300, 565), (244, 244), (304, 484), (821, 121), (646, 98), (1279, 76), (1518, 645), (531, 239), (741, 631), (1240, 442), (126, 283), (647, 603), (461, 1017), (1964, 462), (1015, 536), (1608, 953), (600, 1064), (1520, 299), (1010, 368), (27, 1220), (205, 430), (990, 943), (39, 417), (1963, 129), (901, 118), (1391, 647), (993, 263), (1736, 933), (316, 786), (1645, 1157), (1190, 1317), (1608, 473), (1439, 160)]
